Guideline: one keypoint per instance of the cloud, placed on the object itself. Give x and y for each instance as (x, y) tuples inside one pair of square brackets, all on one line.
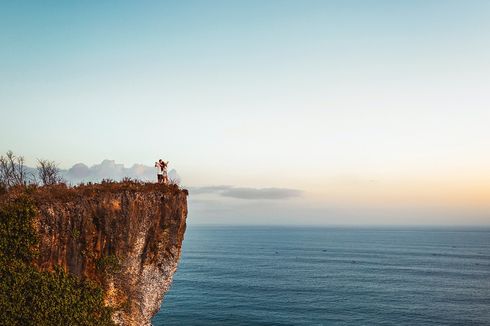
[(208, 189), (263, 193), (109, 169), (248, 193)]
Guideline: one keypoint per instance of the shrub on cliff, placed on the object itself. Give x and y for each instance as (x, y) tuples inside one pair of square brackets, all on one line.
[(17, 237), (12, 170), (48, 172), (32, 297)]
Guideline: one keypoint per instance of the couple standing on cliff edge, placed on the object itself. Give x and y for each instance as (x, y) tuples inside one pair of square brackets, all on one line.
[(162, 176)]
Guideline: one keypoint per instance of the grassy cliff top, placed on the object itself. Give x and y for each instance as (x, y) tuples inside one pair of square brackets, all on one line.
[(65, 193)]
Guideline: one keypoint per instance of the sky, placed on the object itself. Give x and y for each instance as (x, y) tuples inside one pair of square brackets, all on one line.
[(347, 112)]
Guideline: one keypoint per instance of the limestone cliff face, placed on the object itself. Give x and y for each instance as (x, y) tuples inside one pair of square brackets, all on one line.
[(126, 237)]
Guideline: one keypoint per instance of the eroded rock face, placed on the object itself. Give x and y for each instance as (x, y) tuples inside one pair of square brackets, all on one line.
[(128, 239)]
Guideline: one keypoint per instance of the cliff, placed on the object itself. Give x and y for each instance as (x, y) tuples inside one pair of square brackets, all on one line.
[(126, 236)]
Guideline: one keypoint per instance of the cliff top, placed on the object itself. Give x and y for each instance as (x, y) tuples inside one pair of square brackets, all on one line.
[(65, 193)]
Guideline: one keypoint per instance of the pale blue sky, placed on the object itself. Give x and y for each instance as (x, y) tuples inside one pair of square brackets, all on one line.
[(328, 97)]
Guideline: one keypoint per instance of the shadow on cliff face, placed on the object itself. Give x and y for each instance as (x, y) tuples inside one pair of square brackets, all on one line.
[(124, 236)]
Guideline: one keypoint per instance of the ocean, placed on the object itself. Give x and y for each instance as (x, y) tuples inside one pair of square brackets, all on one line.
[(330, 276)]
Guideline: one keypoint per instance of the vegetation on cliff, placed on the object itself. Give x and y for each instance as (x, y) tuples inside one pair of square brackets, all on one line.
[(29, 296)]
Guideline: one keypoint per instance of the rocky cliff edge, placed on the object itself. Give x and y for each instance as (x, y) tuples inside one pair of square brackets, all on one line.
[(125, 236)]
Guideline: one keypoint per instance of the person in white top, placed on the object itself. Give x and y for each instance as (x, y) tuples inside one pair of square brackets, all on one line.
[(159, 172)]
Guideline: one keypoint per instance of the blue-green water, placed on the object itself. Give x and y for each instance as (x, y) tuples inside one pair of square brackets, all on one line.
[(329, 276)]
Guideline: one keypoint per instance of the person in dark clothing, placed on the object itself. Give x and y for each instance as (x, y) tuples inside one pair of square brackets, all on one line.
[(163, 166)]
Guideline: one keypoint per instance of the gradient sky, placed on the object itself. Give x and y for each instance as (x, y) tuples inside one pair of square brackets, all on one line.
[(377, 111)]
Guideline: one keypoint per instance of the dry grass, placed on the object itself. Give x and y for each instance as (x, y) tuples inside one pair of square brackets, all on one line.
[(64, 193)]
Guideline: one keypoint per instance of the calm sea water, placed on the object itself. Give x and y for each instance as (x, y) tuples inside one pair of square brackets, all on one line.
[(330, 276)]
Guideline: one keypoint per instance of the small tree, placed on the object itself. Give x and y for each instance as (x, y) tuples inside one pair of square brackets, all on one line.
[(48, 172), (12, 170)]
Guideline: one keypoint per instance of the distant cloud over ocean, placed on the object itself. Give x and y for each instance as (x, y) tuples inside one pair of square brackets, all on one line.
[(248, 193), (262, 193)]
